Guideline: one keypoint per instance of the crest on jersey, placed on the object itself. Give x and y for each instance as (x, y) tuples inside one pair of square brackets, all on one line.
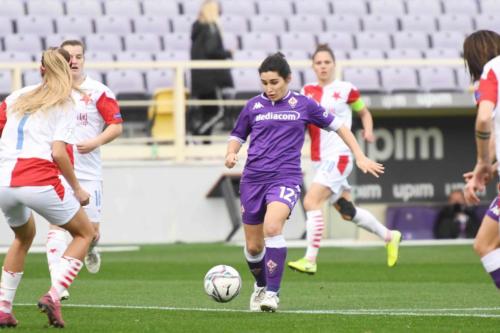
[(271, 266), (292, 102), (86, 99)]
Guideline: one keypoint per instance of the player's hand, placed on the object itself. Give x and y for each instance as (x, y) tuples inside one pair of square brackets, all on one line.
[(82, 196), (368, 166), (86, 147), (467, 176), (368, 136), (476, 183), (231, 159)]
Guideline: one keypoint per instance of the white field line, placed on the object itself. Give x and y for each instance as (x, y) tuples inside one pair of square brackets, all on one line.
[(452, 312), (42, 249)]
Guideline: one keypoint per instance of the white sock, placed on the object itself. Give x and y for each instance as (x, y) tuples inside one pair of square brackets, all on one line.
[(367, 221), (314, 230), (8, 287), (57, 244), (67, 271)]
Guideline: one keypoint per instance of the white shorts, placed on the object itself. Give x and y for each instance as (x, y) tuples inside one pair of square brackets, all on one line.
[(94, 188), (17, 202), (333, 174)]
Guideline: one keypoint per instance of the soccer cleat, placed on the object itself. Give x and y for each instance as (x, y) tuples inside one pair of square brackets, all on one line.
[(93, 261), (65, 295), (7, 320), (270, 303), (257, 297), (393, 248), (52, 309), (304, 266)]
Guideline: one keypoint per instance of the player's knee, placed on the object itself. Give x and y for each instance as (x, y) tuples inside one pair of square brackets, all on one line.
[(346, 209), (311, 203), (254, 249), (272, 230), (481, 248)]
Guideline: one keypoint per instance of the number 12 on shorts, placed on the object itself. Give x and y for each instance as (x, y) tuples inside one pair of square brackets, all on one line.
[(289, 194)]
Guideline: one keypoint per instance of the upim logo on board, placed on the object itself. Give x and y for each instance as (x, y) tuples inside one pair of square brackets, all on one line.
[(367, 192), (408, 191)]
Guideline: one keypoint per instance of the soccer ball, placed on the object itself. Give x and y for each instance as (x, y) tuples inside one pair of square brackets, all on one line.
[(222, 283)]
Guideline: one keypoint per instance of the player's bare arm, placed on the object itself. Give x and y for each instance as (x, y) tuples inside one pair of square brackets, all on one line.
[(111, 132)]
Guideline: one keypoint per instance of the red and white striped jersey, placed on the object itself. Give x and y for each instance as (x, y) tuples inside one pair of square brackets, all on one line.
[(337, 98), (95, 108), (26, 142), (489, 90)]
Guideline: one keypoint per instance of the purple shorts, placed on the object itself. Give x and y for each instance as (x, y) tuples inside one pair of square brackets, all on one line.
[(493, 210), (255, 198)]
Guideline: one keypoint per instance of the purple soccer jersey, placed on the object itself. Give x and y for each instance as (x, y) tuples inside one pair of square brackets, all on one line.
[(277, 131), (493, 210)]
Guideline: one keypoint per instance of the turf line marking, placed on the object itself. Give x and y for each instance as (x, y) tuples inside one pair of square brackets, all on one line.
[(348, 312)]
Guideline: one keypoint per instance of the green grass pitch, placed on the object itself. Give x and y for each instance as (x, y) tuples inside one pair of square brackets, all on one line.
[(160, 289)]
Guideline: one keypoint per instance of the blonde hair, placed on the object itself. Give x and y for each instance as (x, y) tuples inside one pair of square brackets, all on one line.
[(55, 89), (209, 12)]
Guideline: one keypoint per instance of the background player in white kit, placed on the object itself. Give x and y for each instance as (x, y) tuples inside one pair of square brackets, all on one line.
[(334, 162), (96, 108), (36, 123)]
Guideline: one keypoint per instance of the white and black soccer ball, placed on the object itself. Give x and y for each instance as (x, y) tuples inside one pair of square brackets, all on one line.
[(222, 283)]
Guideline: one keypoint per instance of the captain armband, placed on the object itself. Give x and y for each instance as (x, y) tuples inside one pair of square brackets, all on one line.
[(358, 105), (483, 135)]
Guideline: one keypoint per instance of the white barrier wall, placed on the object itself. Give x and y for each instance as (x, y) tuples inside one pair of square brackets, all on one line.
[(158, 202)]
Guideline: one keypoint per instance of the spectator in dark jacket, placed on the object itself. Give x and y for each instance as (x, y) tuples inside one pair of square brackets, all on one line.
[(207, 84), (456, 220)]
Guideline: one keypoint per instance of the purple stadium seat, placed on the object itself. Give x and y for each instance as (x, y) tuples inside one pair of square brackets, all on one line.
[(490, 6), (51, 8), (6, 26), (488, 22), (160, 8), (80, 25), (245, 80), (177, 41), (190, 7), (15, 57), (424, 7), (411, 40), (38, 25), (296, 55), (183, 23), (134, 56), (305, 23), (240, 8), (111, 24), (90, 8), (29, 43), (173, 55), (404, 54), (297, 41), (387, 7), (249, 54), (151, 24), (260, 41), (234, 23), (413, 222), (337, 40), (56, 39), (306, 7), (128, 8), (456, 22), (422, 23), (448, 39), (373, 40), (11, 8), (437, 79), (366, 79), (442, 53), (267, 23), (354, 7), (463, 78), (230, 41), (31, 77), (93, 56), (342, 23), (142, 42), (275, 7), (156, 79), (104, 42), (125, 81), (399, 79), (362, 54), (468, 7), (378, 22)]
